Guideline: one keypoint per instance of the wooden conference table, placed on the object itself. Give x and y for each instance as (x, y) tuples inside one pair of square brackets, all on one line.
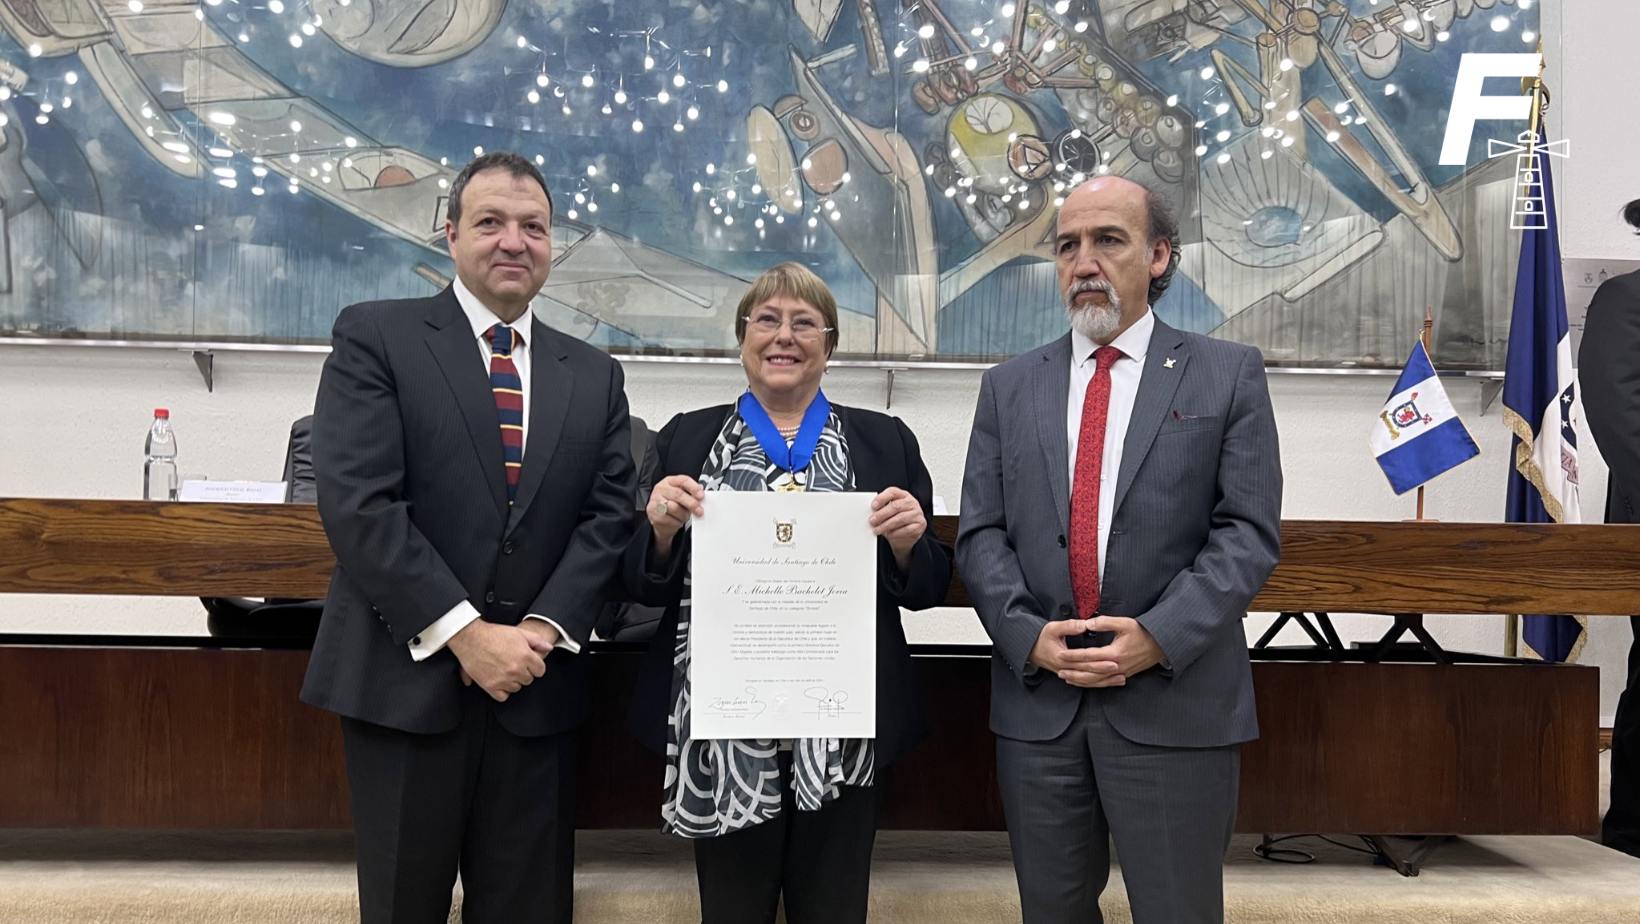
[(199, 733)]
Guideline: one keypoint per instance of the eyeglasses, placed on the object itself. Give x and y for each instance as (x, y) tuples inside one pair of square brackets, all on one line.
[(803, 327)]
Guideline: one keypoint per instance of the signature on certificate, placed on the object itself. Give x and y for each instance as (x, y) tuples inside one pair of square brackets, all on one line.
[(829, 704), (746, 706)]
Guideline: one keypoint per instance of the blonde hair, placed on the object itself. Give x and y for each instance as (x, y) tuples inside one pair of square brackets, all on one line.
[(796, 281)]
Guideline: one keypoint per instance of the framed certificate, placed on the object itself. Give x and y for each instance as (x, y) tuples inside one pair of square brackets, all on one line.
[(783, 611)]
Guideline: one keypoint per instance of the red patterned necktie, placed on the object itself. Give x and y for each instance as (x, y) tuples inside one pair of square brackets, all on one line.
[(1090, 453), (509, 401)]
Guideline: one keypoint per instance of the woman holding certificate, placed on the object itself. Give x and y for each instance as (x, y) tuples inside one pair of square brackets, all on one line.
[(792, 816)]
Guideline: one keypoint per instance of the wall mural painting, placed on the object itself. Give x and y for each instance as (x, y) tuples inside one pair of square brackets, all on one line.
[(221, 170)]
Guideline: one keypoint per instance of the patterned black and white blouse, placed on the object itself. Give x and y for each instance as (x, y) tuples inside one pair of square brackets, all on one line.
[(716, 787)]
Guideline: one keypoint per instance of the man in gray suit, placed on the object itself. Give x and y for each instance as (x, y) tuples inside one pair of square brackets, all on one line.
[(1120, 508)]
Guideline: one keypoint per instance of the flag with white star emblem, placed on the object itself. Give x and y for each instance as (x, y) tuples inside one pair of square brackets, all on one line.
[(1541, 408)]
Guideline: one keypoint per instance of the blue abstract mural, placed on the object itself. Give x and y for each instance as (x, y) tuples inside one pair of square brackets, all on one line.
[(239, 170)]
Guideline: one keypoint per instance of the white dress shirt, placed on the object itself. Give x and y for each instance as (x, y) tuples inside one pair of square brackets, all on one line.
[(437, 635), (1124, 387)]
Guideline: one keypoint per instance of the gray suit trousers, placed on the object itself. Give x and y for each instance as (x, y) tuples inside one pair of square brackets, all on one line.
[(1170, 811)]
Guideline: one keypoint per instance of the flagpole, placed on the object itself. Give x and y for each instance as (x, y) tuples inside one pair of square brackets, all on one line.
[(1534, 85), (1429, 325)]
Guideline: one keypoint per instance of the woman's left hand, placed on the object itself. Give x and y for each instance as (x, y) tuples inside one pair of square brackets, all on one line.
[(897, 517)]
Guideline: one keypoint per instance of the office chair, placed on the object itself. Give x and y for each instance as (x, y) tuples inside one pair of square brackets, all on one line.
[(282, 621)]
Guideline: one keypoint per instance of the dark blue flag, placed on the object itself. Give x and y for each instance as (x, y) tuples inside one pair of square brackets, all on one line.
[(1539, 393)]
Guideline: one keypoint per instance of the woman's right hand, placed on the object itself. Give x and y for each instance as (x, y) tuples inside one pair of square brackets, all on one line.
[(673, 501)]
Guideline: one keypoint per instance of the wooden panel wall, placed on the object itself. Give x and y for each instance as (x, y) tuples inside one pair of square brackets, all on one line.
[(214, 739)]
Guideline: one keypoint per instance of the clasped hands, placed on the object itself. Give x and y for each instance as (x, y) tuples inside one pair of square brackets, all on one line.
[(895, 515), (503, 659), (1132, 651)]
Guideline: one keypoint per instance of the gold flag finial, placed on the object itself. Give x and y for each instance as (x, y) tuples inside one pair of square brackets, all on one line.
[(1538, 91)]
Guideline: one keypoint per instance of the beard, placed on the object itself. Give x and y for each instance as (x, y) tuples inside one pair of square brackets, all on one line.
[(1094, 321)]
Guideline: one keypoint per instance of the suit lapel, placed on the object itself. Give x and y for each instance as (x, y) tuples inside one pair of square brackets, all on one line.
[(551, 384), (456, 351), (1157, 385), (1053, 383), (693, 441)]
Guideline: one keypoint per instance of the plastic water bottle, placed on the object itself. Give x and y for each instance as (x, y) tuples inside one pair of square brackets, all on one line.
[(159, 469)]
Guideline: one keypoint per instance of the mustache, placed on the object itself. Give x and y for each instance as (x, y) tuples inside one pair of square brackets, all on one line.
[(1092, 285)]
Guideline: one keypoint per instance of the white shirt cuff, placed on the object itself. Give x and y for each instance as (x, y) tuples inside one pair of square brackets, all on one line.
[(564, 641), (433, 638)]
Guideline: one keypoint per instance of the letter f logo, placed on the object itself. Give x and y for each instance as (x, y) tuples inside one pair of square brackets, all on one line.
[(1469, 105)]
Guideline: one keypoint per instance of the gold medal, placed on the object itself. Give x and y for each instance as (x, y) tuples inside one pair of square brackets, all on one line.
[(791, 486)]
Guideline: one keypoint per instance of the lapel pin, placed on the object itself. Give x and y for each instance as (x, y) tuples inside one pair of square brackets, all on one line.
[(1169, 362)]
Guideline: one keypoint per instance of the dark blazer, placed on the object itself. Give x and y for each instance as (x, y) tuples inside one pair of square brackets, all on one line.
[(884, 454), (1608, 372), (1195, 531), (623, 620), (407, 450)]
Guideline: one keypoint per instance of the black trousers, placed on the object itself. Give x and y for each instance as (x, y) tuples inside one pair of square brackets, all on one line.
[(479, 799), (1170, 812), (1621, 828), (820, 861)]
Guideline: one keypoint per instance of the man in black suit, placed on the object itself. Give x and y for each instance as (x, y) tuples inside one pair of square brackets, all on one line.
[(1608, 372), (475, 481)]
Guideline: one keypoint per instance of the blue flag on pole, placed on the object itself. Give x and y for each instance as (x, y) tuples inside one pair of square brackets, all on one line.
[(1418, 435), (1539, 392)]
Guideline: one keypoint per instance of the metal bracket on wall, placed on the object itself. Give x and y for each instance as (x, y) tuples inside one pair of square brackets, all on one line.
[(888, 399), (205, 361), (1490, 389)]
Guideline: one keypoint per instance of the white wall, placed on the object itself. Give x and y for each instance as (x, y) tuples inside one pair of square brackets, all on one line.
[(87, 411), (1594, 109), (74, 418)]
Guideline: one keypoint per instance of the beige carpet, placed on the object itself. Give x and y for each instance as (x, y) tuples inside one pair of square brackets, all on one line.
[(56, 877), (50, 877)]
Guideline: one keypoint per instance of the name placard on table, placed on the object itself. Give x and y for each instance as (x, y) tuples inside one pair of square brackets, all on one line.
[(232, 492)]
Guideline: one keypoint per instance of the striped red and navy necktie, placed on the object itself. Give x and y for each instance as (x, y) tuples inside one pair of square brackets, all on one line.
[(509, 402)]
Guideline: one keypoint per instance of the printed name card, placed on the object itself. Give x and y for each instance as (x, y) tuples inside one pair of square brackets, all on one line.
[(232, 492)]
